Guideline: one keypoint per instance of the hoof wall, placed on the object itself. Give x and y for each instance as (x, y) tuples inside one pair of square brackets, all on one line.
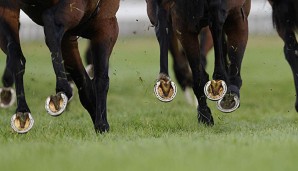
[(22, 122), (215, 89), (165, 91), (7, 97), (229, 103), (55, 105)]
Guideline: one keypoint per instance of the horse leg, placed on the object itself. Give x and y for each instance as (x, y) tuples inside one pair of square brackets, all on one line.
[(236, 25), (22, 120), (165, 89), (102, 45), (181, 67), (74, 66), (286, 22), (190, 44), (56, 22), (206, 44), (7, 93), (217, 88), (291, 54)]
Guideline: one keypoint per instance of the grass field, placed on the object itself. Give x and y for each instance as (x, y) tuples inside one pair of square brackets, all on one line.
[(149, 135)]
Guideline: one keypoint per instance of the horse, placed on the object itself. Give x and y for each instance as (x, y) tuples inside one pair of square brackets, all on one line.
[(285, 20), (186, 19), (63, 22)]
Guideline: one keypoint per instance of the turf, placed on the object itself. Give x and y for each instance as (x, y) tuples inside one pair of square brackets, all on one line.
[(149, 135)]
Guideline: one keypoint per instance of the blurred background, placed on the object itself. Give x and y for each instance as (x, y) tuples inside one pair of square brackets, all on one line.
[(133, 20)]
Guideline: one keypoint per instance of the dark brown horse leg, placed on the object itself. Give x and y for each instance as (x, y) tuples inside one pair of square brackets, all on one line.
[(236, 25), (181, 67), (102, 45), (74, 66), (190, 44), (286, 22), (217, 88), (55, 28), (206, 44), (7, 93), (165, 89), (22, 120)]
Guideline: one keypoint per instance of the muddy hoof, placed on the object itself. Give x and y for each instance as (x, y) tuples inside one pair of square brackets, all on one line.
[(21, 122), (215, 89), (229, 103), (55, 105), (7, 97), (165, 90)]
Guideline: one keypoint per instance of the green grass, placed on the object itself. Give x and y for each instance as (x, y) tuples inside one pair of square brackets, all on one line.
[(149, 135)]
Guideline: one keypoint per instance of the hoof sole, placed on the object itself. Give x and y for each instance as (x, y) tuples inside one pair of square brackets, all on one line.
[(161, 95), (7, 97), (229, 103), (16, 124), (51, 107), (211, 93)]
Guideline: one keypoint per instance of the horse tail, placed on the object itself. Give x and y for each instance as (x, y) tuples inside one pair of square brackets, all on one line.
[(285, 14)]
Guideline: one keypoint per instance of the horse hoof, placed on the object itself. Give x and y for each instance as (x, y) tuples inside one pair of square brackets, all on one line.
[(205, 116), (165, 90), (7, 97), (21, 122), (215, 89), (229, 103), (55, 105), (89, 70)]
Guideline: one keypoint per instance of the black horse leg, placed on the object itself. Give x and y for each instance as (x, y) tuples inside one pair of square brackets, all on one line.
[(190, 44), (22, 120), (54, 29), (285, 21), (291, 54), (216, 89), (165, 90)]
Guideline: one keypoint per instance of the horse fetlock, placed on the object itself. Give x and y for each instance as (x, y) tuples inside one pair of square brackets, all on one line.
[(7, 97), (165, 89), (215, 89), (56, 104), (22, 122)]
